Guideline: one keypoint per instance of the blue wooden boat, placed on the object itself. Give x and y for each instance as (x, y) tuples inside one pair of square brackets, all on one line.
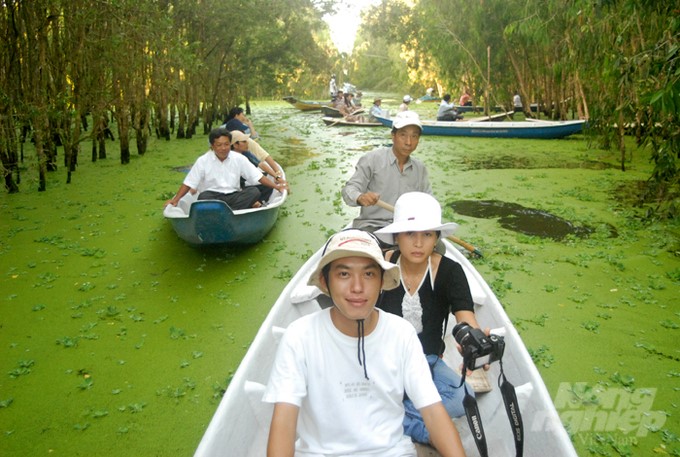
[(208, 222), (536, 130)]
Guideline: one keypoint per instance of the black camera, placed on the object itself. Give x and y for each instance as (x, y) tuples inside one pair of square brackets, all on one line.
[(478, 349)]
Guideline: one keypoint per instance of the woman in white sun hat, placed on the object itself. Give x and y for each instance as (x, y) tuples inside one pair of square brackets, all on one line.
[(431, 286)]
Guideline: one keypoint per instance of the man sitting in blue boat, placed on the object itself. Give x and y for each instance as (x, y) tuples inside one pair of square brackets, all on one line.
[(447, 110), (340, 374), (217, 174)]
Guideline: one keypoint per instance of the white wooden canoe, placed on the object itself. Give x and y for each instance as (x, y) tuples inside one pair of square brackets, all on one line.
[(241, 424)]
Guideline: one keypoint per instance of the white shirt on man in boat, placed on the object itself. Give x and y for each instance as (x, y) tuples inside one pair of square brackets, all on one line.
[(210, 173), (341, 412)]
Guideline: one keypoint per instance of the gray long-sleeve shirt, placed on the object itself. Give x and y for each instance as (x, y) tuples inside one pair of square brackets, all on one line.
[(378, 172)]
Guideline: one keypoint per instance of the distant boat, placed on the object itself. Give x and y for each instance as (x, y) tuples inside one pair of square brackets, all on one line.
[(428, 99), (477, 109), (538, 130), (329, 111), (207, 222), (332, 121), (305, 105)]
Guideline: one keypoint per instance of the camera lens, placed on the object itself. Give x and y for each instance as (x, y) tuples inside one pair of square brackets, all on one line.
[(461, 331)]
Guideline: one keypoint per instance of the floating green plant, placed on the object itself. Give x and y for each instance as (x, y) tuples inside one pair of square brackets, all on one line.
[(177, 333), (6, 402), (87, 384), (161, 319), (591, 326), (67, 341), (86, 287), (541, 356), (626, 381)]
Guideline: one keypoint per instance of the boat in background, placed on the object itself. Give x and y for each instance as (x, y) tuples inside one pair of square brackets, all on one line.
[(524, 129), (210, 222), (428, 99), (240, 426), (477, 109), (305, 105), (333, 121), (329, 111)]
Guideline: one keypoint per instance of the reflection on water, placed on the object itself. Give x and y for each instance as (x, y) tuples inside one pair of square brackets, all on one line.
[(529, 221)]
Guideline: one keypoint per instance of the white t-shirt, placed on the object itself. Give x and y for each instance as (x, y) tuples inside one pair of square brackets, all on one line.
[(341, 412), (210, 173)]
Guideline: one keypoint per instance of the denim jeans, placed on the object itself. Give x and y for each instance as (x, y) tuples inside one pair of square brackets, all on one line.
[(447, 382)]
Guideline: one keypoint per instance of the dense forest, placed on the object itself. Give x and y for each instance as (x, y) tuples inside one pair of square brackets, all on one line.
[(166, 67)]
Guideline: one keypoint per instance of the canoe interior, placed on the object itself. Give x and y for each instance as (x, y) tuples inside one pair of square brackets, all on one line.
[(240, 425)]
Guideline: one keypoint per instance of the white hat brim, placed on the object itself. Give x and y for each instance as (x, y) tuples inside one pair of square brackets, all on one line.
[(386, 234)]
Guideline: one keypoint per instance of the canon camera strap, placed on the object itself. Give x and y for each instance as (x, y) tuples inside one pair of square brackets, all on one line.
[(511, 407)]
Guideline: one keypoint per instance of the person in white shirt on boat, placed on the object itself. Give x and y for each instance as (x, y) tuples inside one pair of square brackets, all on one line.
[(447, 110), (217, 174), (386, 173), (405, 102), (340, 374), (333, 88), (431, 287)]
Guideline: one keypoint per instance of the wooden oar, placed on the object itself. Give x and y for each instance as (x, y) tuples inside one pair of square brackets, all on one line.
[(359, 111), (455, 239)]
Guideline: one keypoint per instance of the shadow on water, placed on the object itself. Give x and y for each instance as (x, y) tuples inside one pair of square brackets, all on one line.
[(529, 221)]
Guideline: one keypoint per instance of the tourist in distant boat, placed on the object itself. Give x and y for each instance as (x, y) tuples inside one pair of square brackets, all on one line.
[(216, 175), (237, 120), (376, 110), (386, 173), (339, 102), (517, 103), (431, 287), (341, 373), (465, 99), (405, 102), (333, 88), (357, 99), (447, 110)]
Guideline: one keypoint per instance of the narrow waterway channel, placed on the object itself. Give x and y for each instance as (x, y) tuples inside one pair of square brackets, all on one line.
[(116, 335)]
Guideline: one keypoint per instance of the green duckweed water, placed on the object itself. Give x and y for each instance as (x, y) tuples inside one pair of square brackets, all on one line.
[(116, 337)]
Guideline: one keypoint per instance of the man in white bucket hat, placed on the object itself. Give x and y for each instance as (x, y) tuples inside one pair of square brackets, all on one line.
[(340, 373), (386, 173), (432, 286)]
